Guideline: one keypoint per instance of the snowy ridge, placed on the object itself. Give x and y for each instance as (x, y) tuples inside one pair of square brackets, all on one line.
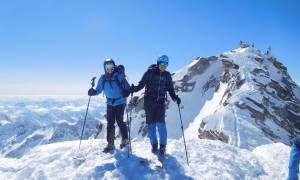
[(242, 97), (212, 160)]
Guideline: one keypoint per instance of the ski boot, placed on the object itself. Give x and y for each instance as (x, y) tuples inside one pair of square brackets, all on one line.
[(162, 150), (109, 148), (154, 148), (124, 143)]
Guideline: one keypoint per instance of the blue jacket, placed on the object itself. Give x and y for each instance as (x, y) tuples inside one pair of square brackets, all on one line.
[(113, 89), (157, 84), (294, 160)]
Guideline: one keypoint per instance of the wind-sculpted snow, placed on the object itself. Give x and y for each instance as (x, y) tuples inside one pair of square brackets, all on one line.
[(207, 160)]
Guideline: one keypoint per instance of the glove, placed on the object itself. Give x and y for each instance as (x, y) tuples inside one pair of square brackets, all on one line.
[(132, 88), (125, 93), (177, 99), (92, 92)]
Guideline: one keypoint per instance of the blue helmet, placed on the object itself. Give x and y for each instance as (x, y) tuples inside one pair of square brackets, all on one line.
[(163, 58)]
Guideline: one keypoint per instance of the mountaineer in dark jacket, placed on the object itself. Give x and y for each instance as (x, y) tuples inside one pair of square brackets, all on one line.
[(116, 89), (158, 82)]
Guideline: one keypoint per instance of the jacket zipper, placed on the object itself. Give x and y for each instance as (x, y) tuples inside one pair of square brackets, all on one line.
[(159, 85)]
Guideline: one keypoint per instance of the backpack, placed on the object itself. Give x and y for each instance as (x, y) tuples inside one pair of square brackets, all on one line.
[(121, 70)]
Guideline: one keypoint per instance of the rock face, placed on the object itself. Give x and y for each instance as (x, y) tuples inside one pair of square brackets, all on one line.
[(253, 89)]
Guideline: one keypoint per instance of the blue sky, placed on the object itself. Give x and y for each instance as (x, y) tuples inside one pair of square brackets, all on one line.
[(56, 46)]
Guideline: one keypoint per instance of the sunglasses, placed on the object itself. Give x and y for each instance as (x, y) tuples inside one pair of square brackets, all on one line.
[(164, 64)]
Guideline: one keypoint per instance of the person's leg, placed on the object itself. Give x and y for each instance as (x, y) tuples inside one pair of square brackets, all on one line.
[(120, 121), (152, 136), (162, 131), (110, 116), (150, 121), (161, 126), (122, 125)]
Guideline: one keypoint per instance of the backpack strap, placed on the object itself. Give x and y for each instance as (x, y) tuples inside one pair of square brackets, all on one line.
[(151, 70), (115, 78)]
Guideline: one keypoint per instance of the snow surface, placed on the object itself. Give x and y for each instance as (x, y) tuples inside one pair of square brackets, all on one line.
[(207, 160)]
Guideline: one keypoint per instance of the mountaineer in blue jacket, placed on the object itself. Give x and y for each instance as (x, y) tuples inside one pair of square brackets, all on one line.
[(116, 89), (294, 160), (158, 82)]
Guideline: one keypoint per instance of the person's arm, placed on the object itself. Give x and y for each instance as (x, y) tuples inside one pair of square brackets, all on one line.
[(100, 85), (142, 82), (170, 86), (170, 89)]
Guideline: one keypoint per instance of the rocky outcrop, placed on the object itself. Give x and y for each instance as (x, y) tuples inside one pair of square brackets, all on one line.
[(197, 69), (213, 135)]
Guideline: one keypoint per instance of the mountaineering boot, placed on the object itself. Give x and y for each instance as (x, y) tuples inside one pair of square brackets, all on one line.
[(162, 150), (124, 143), (154, 148), (109, 148)]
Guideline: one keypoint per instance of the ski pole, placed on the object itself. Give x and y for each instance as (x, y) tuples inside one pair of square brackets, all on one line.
[(87, 109), (187, 159), (129, 125)]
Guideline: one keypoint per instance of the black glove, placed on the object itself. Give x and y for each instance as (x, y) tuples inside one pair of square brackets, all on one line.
[(125, 93), (177, 99), (132, 88), (92, 92)]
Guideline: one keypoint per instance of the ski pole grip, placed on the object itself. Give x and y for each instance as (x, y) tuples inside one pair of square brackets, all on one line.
[(93, 82)]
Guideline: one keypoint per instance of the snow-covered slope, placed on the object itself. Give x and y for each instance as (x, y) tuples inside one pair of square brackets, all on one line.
[(242, 97), (208, 160)]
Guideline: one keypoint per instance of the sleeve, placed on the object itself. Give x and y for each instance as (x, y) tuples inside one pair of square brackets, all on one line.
[(143, 81), (170, 87), (99, 87)]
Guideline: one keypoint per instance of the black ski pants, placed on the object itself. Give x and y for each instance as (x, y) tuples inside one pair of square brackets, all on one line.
[(155, 110), (115, 113)]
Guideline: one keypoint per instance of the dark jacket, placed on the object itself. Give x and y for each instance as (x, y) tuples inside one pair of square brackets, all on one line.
[(157, 84)]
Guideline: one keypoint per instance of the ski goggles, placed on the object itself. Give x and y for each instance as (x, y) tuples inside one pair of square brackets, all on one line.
[(163, 64), (109, 69)]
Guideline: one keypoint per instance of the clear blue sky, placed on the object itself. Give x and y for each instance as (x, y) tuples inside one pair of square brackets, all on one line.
[(57, 46)]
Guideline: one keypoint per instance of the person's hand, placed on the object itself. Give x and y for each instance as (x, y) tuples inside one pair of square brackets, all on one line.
[(125, 93), (92, 92), (177, 99), (132, 88)]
